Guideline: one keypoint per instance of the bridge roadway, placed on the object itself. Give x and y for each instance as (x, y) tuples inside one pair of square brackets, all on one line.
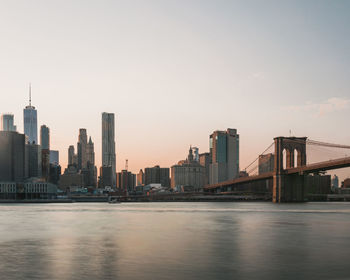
[(320, 166), (310, 168)]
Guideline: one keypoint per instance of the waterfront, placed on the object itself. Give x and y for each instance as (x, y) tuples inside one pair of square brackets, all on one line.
[(175, 241)]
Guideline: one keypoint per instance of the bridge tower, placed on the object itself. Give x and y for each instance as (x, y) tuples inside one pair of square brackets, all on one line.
[(288, 188)]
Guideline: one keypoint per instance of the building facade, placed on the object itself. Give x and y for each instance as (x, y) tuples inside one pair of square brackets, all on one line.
[(266, 163), (54, 157), (45, 137), (157, 175), (188, 173), (82, 149), (126, 181), (13, 161), (7, 122), (108, 144), (45, 151), (106, 177), (71, 178), (30, 122), (224, 153), (27, 190), (72, 157), (140, 178), (205, 160), (34, 157)]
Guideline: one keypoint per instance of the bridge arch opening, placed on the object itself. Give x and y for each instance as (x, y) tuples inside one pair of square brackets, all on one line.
[(296, 152), (284, 155)]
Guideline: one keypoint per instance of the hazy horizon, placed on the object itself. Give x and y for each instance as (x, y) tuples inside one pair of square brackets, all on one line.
[(173, 72)]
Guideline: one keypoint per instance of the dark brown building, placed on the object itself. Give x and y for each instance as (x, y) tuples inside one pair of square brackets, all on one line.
[(157, 175)]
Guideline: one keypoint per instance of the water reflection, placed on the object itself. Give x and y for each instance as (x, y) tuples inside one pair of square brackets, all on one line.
[(175, 241)]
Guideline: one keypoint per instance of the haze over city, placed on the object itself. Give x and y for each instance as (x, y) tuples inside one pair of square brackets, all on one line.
[(173, 72)]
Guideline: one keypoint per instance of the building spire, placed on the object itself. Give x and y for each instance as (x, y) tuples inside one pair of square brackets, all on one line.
[(30, 94)]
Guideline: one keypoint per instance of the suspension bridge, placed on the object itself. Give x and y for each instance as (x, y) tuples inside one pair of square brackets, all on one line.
[(285, 166)]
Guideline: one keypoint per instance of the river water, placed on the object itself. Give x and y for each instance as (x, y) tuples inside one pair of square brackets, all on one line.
[(175, 241)]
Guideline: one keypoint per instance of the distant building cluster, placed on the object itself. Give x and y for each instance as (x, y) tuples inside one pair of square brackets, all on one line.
[(24, 159), (27, 166)]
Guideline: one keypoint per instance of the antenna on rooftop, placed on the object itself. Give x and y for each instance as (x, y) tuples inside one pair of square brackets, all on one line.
[(30, 94), (126, 165)]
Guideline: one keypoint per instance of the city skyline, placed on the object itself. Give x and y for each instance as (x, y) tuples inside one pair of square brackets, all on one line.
[(343, 173), (172, 81), (169, 139)]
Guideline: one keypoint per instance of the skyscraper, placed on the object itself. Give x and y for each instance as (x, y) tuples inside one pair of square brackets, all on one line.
[(71, 155), (82, 143), (91, 168), (90, 152), (7, 122), (45, 137), (54, 157), (224, 152), (108, 144), (34, 160), (30, 121), (45, 151), (205, 160), (12, 157)]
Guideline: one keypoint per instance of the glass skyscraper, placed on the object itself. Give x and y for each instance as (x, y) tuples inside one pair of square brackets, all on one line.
[(224, 151), (30, 121)]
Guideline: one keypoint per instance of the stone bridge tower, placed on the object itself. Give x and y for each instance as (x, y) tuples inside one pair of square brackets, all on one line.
[(288, 188)]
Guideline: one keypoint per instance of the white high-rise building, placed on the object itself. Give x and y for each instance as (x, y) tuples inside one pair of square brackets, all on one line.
[(7, 122), (108, 144), (30, 120)]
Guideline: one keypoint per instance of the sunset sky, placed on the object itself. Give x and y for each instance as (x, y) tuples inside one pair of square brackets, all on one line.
[(175, 71)]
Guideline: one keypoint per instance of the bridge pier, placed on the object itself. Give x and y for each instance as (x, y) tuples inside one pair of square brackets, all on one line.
[(288, 188)]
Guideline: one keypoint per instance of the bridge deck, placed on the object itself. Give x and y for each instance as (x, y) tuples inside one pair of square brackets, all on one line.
[(310, 168), (241, 180), (320, 166)]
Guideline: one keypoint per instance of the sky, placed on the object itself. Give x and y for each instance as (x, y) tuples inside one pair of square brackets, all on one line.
[(175, 71)]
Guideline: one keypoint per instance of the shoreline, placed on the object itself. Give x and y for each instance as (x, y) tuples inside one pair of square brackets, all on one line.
[(166, 198)]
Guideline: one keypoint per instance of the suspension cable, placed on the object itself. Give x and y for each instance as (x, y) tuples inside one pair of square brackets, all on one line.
[(245, 169)]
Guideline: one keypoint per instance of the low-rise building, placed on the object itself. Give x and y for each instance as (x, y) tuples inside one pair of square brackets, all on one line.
[(27, 190), (71, 177)]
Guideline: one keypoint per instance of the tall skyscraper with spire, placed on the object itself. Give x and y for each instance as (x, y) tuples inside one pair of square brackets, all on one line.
[(30, 120), (108, 144)]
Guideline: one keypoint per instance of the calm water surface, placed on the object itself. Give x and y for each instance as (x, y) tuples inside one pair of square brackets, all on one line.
[(175, 241)]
